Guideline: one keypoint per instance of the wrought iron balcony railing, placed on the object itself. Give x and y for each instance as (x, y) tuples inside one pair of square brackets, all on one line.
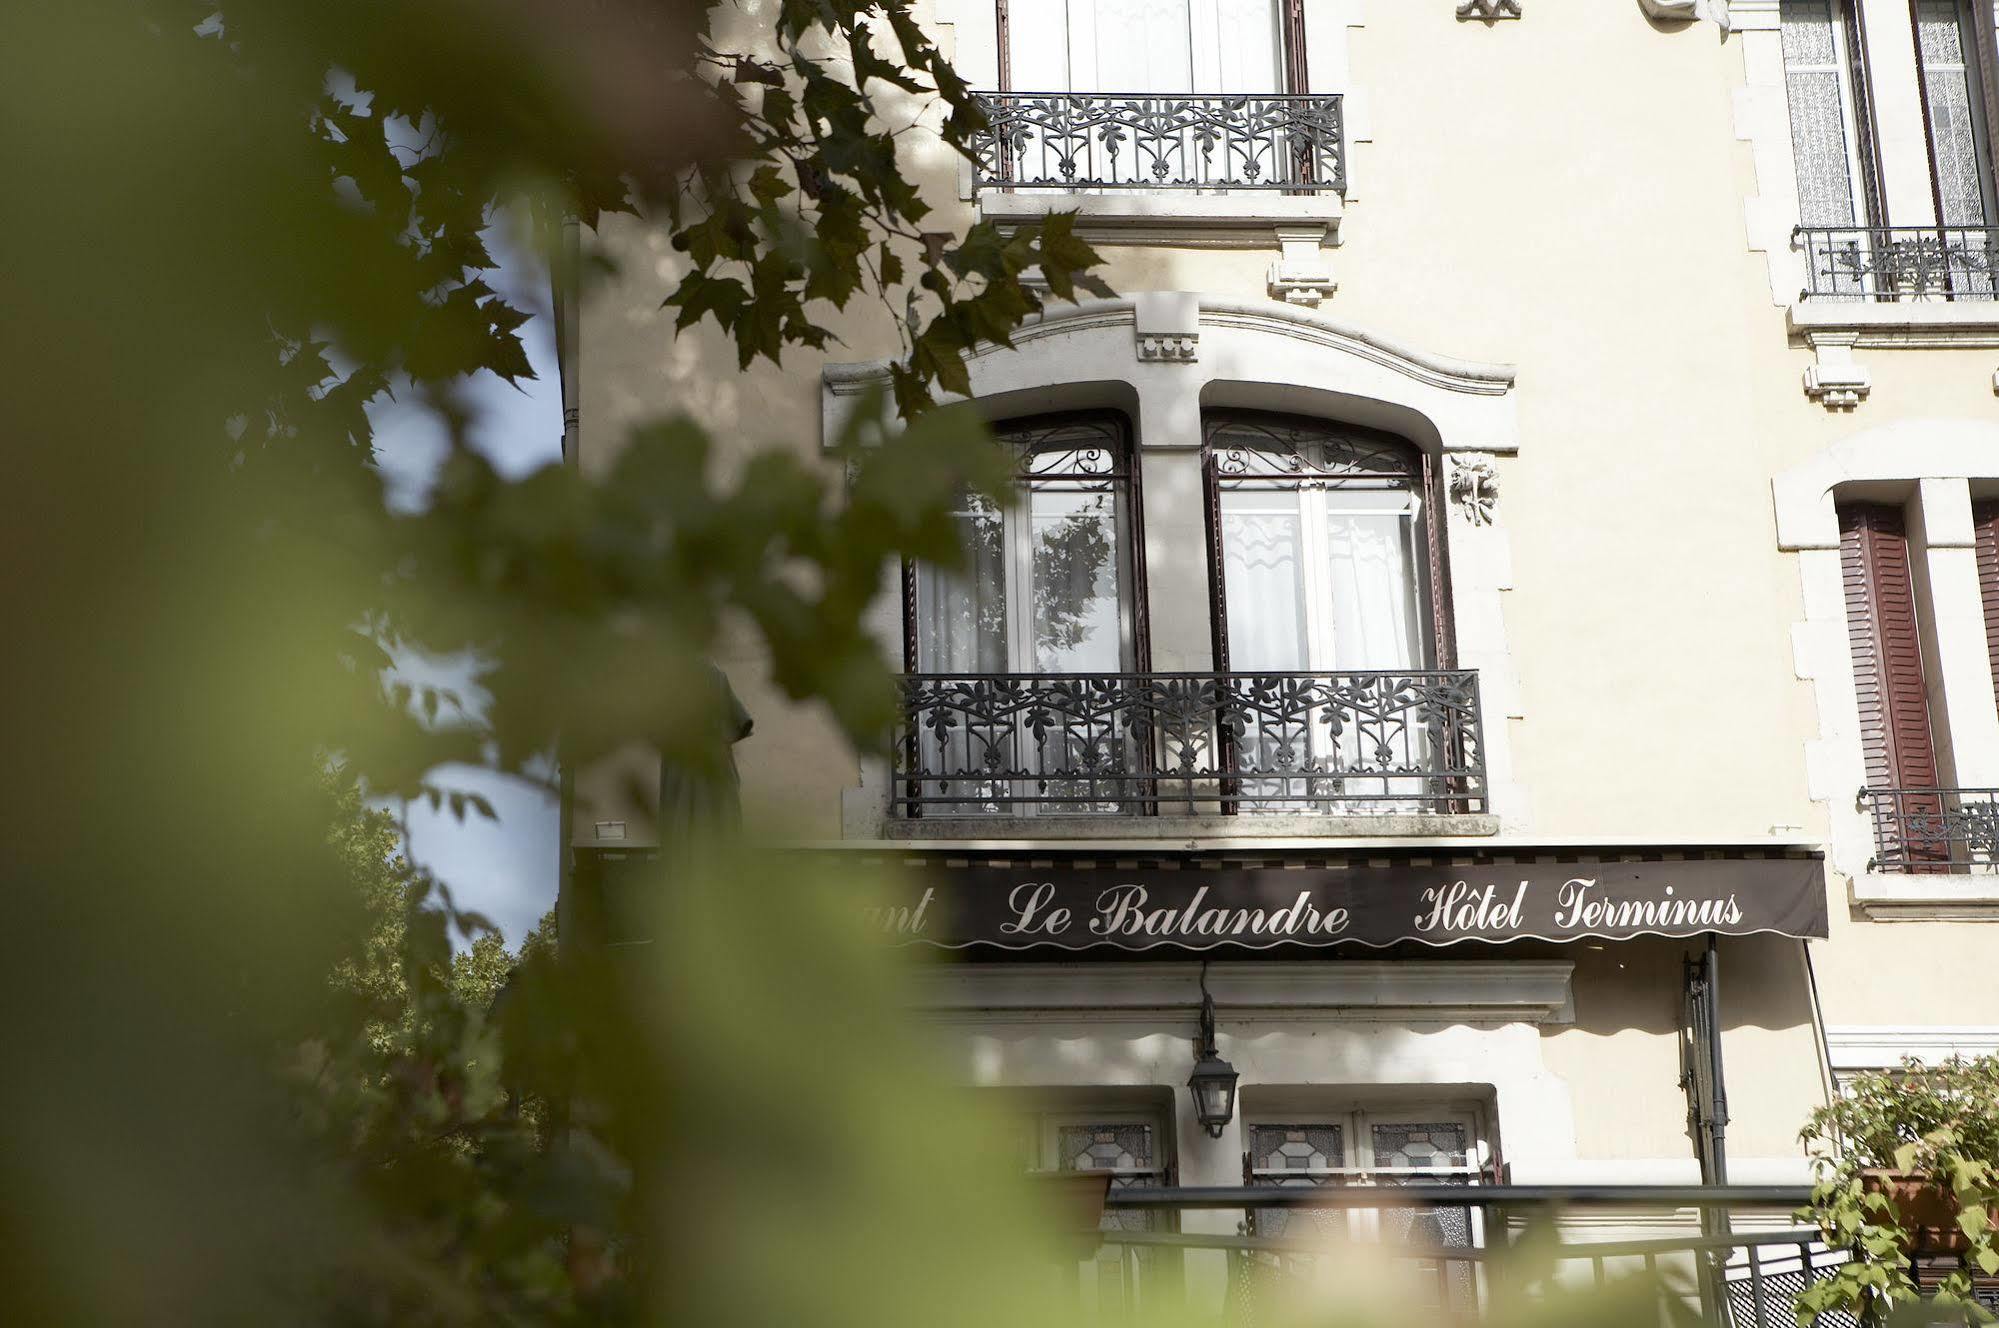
[(1190, 743), (1742, 1262), (1891, 263), (1934, 830), (1100, 140)]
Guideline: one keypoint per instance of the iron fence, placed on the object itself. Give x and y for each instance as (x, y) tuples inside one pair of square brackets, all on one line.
[(1097, 140), (1892, 263), (1137, 743), (1739, 1261), (1934, 829)]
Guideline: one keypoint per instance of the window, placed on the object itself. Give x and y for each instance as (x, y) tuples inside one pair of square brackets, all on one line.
[(1321, 566), (1960, 163), (1877, 220), (1390, 1145), (1826, 88), (1138, 46), (1897, 746), (1047, 582), (1129, 1145), (1323, 546)]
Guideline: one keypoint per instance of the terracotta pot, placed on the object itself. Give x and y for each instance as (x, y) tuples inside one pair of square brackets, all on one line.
[(1075, 1202), (1927, 1209)]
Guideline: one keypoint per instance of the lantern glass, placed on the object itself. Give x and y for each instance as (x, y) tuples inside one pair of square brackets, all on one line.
[(1213, 1085)]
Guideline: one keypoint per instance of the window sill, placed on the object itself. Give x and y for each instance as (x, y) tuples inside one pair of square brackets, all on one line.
[(1921, 897), (1241, 220), (1321, 831), (1908, 323)]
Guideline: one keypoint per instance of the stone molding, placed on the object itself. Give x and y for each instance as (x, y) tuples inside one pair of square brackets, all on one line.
[(1856, 1047), (1836, 380)]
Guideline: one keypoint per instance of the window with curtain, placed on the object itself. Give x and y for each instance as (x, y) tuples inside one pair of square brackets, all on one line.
[(1946, 53), (1142, 46), (1323, 545), (1826, 88), (1045, 586), (1843, 59)]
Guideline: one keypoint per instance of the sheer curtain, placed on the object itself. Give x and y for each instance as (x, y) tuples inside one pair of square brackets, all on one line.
[(1372, 582), (1133, 48), (1324, 580), (961, 612), (1263, 575)]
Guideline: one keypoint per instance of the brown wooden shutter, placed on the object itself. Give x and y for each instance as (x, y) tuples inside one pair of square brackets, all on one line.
[(1887, 650), (1985, 521)]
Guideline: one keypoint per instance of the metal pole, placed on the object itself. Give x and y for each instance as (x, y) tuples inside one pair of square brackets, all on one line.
[(1718, 1115)]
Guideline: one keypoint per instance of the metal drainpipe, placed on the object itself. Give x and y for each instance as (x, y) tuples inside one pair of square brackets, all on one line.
[(1718, 1119)]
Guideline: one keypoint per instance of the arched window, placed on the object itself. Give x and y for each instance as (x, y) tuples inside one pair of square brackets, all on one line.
[(1324, 545), (1048, 581)]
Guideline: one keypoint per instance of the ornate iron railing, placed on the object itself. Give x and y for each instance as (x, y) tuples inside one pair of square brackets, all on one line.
[(1890, 263), (1934, 830), (1190, 743), (1742, 1262), (1100, 140)]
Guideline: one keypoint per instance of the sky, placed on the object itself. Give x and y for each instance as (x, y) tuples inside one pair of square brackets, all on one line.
[(505, 870)]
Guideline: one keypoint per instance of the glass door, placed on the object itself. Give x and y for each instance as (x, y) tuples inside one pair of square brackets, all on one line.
[(1323, 552), (1038, 625)]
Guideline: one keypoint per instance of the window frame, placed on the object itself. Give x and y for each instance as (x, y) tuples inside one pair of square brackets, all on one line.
[(1430, 575), (1134, 643), (1293, 76)]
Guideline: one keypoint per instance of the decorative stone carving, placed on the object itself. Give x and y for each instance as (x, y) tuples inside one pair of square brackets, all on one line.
[(1167, 325), (1475, 486), (1837, 381), (1489, 10), (1687, 10), (1301, 275), (1171, 346)]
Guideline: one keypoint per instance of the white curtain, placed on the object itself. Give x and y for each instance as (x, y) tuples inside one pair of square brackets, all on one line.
[(1817, 79), (961, 612), (1263, 575), (1324, 580), (1372, 586), (1144, 46)]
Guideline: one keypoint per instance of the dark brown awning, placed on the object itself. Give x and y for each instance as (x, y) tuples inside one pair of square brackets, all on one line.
[(1199, 902)]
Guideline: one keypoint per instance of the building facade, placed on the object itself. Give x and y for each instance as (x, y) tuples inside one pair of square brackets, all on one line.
[(1505, 601)]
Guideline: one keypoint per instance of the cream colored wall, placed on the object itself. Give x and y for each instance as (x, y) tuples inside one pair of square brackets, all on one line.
[(1565, 193)]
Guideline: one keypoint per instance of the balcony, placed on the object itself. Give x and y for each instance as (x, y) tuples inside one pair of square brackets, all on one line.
[(1934, 830), (1361, 746), (1891, 264), (1150, 141), (1740, 1262)]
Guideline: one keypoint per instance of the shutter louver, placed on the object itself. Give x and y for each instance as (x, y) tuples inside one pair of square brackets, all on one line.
[(1985, 521), (1888, 683), (1887, 650)]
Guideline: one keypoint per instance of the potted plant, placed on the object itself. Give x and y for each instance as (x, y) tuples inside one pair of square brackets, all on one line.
[(1906, 1166)]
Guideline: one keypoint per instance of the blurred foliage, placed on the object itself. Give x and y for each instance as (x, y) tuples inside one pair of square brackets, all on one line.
[(247, 1078)]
